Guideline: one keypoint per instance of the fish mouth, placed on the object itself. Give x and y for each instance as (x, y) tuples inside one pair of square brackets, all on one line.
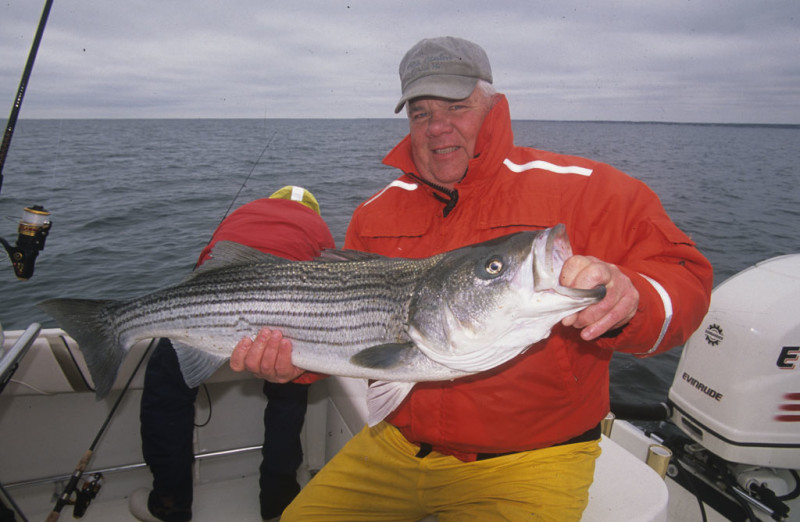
[(550, 251)]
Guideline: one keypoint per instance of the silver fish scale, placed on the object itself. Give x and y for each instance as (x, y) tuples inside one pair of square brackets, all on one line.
[(320, 303)]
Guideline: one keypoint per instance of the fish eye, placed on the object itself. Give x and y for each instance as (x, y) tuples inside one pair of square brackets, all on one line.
[(494, 266)]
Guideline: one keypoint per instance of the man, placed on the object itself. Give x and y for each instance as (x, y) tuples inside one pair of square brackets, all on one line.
[(288, 225), (518, 442)]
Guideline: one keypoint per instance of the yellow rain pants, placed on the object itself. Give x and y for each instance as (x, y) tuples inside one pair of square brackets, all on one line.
[(376, 477)]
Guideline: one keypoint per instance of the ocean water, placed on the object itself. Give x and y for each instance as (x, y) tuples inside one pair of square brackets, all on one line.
[(134, 201)]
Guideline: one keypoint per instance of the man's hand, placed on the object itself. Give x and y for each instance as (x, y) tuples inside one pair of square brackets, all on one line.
[(268, 357), (615, 310)]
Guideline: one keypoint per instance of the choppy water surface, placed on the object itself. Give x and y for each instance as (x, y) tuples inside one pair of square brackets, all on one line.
[(134, 201)]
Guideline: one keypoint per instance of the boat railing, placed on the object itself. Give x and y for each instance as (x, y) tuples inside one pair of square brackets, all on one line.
[(54, 364)]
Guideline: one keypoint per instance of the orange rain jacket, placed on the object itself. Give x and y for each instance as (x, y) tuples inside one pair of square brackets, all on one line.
[(557, 389)]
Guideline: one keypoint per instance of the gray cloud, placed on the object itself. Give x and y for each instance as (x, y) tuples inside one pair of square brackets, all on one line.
[(727, 61)]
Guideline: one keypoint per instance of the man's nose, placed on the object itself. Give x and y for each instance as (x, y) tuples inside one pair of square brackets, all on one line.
[(439, 123)]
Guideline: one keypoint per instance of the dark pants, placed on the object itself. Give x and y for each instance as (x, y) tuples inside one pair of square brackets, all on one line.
[(281, 453), (167, 425)]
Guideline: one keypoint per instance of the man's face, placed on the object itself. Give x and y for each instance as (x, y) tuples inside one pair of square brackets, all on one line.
[(443, 134)]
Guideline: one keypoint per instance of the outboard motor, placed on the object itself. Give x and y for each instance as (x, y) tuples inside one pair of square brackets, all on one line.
[(736, 391)]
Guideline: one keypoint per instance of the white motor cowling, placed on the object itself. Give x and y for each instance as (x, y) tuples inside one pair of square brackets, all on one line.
[(737, 386)]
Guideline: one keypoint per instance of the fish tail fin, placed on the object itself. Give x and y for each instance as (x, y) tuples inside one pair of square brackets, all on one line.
[(92, 326)]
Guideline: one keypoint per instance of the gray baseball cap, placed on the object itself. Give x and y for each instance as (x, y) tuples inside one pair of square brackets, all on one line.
[(444, 67)]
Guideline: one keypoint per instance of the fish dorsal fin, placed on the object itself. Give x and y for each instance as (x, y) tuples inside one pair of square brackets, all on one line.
[(384, 397), (230, 253), (196, 365), (334, 254)]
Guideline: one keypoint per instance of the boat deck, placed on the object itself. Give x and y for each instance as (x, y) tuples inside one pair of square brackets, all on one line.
[(234, 499)]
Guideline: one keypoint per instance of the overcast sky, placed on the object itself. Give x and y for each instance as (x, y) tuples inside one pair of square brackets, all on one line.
[(721, 61)]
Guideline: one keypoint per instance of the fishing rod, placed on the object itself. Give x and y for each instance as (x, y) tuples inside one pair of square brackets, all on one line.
[(241, 187), (35, 224), (23, 84), (252, 169), (90, 489)]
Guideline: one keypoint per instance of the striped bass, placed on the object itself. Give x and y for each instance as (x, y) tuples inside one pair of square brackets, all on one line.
[(397, 321)]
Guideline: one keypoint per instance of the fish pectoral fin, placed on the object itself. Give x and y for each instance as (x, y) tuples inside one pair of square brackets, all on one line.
[(196, 365), (384, 356), (384, 397)]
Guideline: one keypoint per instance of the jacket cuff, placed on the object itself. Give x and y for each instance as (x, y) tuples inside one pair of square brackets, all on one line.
[(644, 334)]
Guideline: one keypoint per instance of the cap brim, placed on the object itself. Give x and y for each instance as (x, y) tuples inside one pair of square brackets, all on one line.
[(448, 86)]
